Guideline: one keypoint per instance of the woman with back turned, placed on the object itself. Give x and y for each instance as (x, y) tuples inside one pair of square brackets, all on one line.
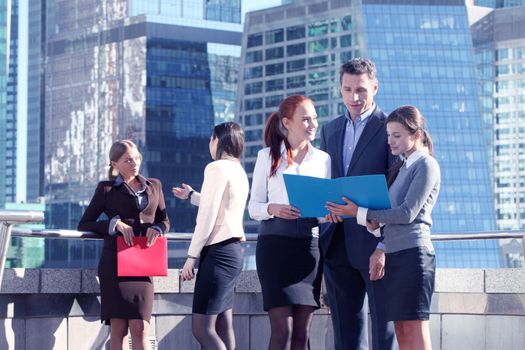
[(287, 253), (134, 206), (217, 238), (410, 259)]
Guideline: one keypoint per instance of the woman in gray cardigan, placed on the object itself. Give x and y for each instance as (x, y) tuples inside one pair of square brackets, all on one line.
[(410, 258)]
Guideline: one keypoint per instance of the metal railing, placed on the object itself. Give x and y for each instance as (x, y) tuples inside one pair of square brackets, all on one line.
[(7, 219), (10, 217)]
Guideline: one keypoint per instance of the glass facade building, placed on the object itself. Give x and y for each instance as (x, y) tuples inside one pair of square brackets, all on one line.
[(161, 73), (499, 43), (11, 108), (424, 55), (5, 13), (497, 3), (35, 100)]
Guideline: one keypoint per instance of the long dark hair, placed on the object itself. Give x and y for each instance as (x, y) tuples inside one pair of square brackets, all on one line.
[(230, 139), (412, 120), (118, 148), (275, 132)]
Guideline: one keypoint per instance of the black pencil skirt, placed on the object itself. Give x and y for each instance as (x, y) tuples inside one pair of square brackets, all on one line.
[(287, 257), (219, 266), (409, 282)]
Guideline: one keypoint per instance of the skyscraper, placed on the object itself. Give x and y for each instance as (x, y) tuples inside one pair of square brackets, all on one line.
[(496, 3), (11, 108), (424, 55), (5, 14), (499, 42), (158, 72)]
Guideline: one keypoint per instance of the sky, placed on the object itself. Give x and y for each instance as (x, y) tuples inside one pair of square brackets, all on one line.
[(253, 5)]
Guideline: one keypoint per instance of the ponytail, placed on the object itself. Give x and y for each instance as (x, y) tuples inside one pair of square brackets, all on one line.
[(427, 141), (112, 173), (274, 135)]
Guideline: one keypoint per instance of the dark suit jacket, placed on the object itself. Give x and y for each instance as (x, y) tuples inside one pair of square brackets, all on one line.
[(114, 200), (371, 156)]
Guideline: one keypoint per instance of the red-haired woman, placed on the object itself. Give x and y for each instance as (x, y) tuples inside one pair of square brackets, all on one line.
[(287, 253)]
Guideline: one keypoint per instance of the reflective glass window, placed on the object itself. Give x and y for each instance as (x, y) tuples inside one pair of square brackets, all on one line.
[(316, 29), (297, 65), (346, 23), (296, 32), (253, 119), (346, 40), (317, 45), (255, 39), (254, 56), (296, 49), (253, 135), (273, 69), (252, 103), (295, 82), (273, 101), (275, 84), (275, 52), (253, 88), (253, 72), (274, 36), (319, 61)]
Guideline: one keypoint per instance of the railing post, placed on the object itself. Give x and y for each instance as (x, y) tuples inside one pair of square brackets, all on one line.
[(7, 219), (5, 237)]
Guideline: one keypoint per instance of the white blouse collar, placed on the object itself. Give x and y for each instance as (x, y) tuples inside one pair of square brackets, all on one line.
[(415, 156)]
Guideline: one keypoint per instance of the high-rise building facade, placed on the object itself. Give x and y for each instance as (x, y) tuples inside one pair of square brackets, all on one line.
[(36, 32), (424, 55), (11, 108), (5, 14), (499, 42), (158, 72), (496, 3)]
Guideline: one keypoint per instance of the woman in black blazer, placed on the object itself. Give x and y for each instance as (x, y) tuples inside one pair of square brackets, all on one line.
[(133, 206)]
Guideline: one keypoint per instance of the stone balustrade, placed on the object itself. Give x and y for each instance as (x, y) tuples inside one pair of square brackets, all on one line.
[(58, 309)]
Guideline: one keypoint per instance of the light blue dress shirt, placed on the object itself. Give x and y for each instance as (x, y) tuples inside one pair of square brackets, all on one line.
[(353, 131)]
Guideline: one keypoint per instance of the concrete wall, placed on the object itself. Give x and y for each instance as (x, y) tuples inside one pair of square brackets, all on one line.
[(59, 309)]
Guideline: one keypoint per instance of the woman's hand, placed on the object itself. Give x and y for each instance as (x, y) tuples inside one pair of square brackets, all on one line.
[(333, 218), (182, 192), (151, 235), (187, 272), (127, 232), (348, 209), (283, 211)]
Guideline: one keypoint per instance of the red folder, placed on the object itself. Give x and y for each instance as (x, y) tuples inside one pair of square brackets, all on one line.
[(140, 260)]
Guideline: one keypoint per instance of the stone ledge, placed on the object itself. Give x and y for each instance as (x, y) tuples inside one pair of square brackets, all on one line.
[(20, 281), (459, 281), (60, 281), (74, 281), (505, 280)]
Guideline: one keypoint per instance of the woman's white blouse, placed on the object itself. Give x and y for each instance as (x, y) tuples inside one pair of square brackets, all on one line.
[(221, 205), (266, 189)]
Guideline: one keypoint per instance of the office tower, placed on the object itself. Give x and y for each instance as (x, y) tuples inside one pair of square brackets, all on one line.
[(5, 14), (36, 29), (158, 72), (496, 3), (424, 56), (11, 108), (499, 43)]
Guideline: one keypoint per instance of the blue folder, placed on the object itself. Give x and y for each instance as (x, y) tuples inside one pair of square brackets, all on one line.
[(310, 194)]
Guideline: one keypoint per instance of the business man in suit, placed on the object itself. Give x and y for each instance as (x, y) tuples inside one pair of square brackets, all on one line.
[(357, 144)]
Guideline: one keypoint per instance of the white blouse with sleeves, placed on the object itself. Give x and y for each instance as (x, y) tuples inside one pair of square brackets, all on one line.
[(266, 189), (221, 205)]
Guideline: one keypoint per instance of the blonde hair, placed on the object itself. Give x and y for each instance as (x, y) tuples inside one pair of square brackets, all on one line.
[(118, 148)]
